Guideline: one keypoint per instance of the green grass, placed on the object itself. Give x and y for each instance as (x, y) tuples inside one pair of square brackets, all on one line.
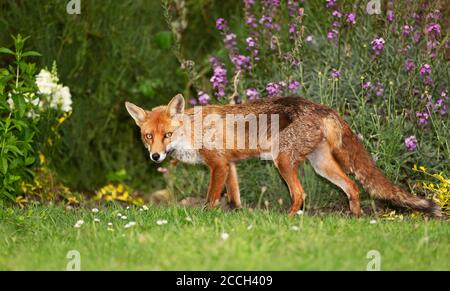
[(38, 238)]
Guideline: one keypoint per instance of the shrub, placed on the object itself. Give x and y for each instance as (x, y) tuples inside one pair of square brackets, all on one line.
[(31, 109)]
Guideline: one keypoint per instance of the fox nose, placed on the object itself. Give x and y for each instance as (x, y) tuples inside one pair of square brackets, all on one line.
[(155, 157)]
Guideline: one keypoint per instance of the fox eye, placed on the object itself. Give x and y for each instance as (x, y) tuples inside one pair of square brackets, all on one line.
[(148, 136), (168, 135)]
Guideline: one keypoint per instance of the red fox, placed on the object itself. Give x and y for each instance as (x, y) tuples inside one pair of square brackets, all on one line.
[(305, 130)]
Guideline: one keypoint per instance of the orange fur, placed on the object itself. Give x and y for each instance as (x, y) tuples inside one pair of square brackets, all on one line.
[(307, 130)]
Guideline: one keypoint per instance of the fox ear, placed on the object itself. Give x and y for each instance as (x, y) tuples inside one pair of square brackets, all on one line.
[(136, 112), (176, 105)]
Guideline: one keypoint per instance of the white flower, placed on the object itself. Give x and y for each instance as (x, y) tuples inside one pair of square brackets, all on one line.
[(373, 221), (161, 222), (128, 207), (250, 227), (96, 220), (188, 218), (144, 207), (224, 236), (295, 228), (94, 210), (46, 82), (110, 224), (300, 212), (130, 224), (79, 223), (119, 214), (124, 217), (61, 99)]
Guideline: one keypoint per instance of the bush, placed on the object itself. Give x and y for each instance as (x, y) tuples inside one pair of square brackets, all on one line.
[(30, 113)]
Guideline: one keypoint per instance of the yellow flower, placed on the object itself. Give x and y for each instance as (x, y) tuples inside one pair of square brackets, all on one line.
[(21, 201), (41, 158)]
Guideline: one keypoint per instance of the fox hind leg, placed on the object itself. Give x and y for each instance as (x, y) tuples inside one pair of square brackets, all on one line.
[(288, 170), (326, 166), (232, 185)]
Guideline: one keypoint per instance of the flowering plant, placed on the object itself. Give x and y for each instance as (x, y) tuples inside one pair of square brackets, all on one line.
[(31, 108)]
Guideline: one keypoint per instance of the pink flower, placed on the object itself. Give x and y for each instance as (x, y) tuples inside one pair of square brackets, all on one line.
[(409, 65), (390, 16), (203, 98), (221, 24), (335, 74), (378, 45), (411, 143), (273, 89), (425, 70), (252, 93), (293, 86), (351, 18)]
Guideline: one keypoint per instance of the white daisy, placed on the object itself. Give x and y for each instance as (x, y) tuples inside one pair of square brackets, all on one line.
[(224, 236), (161, 222)]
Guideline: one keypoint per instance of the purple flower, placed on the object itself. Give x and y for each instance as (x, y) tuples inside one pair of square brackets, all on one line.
[(332, 34), (335, 74), (378, 45), (441, 107), (367, 85), (266, 21), (379, 89), (331, 3), (335, 24), (417, 36), (422, 117), (425, 70), (409, 65), (221, 24), (351, 18), (203, 98), (337, 13), (411, 143), (230, 40), (434, 29), (252, 93), (193, 101), (249, 3), (293, 86), (251, 20), (240, 62), (406, 30), (251, 43), (390, 16), (271, 3), (219, 79), (273, 89)]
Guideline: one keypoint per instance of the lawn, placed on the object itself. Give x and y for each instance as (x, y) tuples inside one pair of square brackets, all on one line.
[(39, 238)]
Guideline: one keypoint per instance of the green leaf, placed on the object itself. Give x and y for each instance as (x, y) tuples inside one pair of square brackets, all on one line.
[(29, 160), (19, 103), (5, 50), (31, 54), (164, 40), (3, 165)]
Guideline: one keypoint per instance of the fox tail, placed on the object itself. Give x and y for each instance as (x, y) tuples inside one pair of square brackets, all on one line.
[(352, 155)]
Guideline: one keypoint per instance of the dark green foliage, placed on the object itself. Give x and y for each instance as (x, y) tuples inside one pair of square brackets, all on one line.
[(113, 51)]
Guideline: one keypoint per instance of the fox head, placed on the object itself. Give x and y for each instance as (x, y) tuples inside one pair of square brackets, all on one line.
[(160, 128)]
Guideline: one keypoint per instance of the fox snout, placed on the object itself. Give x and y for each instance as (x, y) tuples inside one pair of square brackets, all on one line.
[(158, 157)]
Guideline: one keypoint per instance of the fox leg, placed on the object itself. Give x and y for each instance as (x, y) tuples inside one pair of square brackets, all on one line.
[(288, 171), (218, 176), (232, 184), (325, 165)]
